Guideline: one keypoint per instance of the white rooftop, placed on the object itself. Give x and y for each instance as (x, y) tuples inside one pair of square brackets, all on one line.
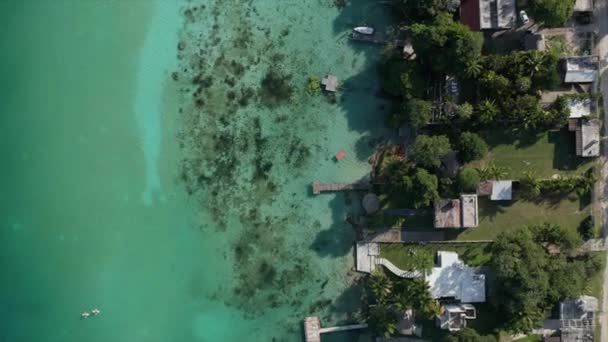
[(583, 5), (579, 108), (452, 278), (502, 190), (590, 135)]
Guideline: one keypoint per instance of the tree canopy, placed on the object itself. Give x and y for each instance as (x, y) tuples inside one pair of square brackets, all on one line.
[(446, 46), (391, 296), (552, 13), (471, 147), (468, 180), (418, 112), (468, 335), (427, 151), (422, 188), (531, 277), (424, 10)]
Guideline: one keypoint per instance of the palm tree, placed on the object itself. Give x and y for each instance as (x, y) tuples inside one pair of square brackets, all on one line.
[(491, 171), (487, 111), (383, 321), (380, 286), (473, 68), (496, 172), (529, 185), (534, 60)]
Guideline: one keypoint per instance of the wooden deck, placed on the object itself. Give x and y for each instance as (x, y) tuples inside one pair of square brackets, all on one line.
[(312, 329), (318, 187)]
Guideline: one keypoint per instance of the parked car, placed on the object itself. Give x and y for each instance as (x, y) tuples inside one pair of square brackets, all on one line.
[(524, 17)]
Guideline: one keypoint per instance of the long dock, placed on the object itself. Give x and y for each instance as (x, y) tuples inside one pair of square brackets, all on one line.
[(313, 330), (318, 187), (376, 38)]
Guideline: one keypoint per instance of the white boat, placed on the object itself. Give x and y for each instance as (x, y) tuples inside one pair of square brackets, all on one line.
[(364, 29)]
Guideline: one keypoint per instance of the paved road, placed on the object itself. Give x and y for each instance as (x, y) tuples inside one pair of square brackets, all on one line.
[(601, 17)]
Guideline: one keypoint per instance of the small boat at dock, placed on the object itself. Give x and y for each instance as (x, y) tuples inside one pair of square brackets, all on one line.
[(364, 29)]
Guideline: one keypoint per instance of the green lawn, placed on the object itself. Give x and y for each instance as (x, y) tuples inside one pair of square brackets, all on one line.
[(499, 216), (422, 257), (595, 283), (544, 153)]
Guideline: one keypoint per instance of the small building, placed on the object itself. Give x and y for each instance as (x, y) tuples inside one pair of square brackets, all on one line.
[(577, 318), (456, 213), (583, 6), (488, 14), (454, 316), (583, 69), (587, 137), (330, 82), (502, 190), (579, 108), (451, 279)]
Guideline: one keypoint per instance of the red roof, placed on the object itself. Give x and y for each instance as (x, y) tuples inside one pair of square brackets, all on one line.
[(469, 14)]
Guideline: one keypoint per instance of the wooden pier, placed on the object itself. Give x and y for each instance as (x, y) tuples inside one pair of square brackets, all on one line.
[(377, 38), (313, 331), (318, 187)]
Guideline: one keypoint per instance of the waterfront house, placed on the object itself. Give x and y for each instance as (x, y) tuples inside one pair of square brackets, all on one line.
[(454, 281)]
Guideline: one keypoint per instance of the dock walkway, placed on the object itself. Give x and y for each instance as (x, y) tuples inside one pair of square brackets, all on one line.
[(313, 330), (318, 187)]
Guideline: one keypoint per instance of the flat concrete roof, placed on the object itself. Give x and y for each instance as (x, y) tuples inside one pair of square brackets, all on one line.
[(457, 213), (469, 211), (590, 135), (447, 213)]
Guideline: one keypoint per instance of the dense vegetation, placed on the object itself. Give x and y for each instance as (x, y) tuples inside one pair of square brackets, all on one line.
[(390, 298), (537, 267), (552, 13)]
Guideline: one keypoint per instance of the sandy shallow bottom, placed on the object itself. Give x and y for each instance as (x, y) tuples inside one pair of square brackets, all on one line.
[(158, 162)]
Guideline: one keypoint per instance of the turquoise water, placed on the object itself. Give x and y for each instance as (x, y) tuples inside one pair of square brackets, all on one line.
[(183, 217)]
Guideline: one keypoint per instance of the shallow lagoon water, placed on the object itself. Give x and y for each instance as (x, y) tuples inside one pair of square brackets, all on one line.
[(182, 220)]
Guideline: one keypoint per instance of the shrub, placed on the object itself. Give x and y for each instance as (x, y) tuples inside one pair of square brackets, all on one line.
[(313, 86), (587, 228), (418, 112), (468, 180), (471, 147), (552, 13), (422, 186)]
